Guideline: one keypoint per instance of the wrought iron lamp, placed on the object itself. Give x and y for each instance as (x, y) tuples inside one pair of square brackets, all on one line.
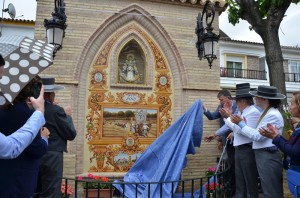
[(55, 27), (207, 40)]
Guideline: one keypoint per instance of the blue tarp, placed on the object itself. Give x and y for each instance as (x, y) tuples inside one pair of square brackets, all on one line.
[(165, 158)]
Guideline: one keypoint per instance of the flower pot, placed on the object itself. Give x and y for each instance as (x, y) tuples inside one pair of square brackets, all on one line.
[(93, 193)]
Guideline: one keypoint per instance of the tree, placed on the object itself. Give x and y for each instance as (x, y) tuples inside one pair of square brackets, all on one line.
[(265, 17)]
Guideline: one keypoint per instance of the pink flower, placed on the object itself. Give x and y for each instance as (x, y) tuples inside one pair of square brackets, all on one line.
[(69, 189), (212, 169), (91, 176), (79, 178)]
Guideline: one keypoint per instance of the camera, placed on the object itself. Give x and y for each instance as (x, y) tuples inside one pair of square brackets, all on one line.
[(36, 89)]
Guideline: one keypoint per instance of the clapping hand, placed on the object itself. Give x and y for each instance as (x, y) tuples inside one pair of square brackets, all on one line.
[(270, 131), (226, 110), (68, 110), (235, 119)]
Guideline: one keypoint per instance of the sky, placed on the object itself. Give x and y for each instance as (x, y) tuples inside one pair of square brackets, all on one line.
[(288, 32)]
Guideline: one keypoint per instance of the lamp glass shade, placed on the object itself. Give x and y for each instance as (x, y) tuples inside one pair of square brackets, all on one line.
[(210, 48), (55, 35)]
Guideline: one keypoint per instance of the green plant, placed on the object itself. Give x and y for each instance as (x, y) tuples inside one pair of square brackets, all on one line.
[(94, 182), (287, 116)]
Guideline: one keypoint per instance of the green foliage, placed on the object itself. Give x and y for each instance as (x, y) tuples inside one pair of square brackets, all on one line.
[(235, 11), (287, 128), (264, 6), (95, 185)]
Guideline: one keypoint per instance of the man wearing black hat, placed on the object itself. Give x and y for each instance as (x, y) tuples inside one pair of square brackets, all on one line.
[(60, 124), (245, 166), (268, 159)]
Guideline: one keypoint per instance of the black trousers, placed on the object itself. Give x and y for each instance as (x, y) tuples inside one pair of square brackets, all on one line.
[(50, 175), (230, 157)]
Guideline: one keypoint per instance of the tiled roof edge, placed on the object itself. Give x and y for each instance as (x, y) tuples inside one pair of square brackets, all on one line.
[(256, 43), (18, 20)]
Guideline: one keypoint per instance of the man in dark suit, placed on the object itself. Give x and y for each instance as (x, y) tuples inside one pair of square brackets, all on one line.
[(226, 104), (61, 127), (18, 177)]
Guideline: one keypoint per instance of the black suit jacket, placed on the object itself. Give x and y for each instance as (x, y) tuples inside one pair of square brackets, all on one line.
[(18, 177), (60, 125)]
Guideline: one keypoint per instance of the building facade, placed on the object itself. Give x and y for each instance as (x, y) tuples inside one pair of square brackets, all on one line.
[(128, 65), (131, 69), (242, 60)]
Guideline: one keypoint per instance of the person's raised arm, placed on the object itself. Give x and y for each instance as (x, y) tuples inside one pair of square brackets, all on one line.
[(38, 104), (12, 146)]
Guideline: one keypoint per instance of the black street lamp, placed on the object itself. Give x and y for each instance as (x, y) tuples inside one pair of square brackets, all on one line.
[(55, 27), (207, 40)]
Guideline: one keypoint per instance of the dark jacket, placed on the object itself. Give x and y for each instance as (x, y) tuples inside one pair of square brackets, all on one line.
[(61, 129), (18, 177), (290, 147), (216, 115), (60, 126)]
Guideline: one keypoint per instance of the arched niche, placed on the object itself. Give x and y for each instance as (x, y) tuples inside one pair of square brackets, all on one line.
[(132, 64), (147, 59)]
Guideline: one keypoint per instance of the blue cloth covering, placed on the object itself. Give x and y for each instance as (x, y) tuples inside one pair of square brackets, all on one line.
[(165, 158), (293, 178)]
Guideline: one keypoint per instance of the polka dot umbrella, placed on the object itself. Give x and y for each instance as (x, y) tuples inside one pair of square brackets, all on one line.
[(24, 59)]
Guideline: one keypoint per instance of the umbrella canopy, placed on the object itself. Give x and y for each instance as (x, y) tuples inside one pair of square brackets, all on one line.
[(24, 59)]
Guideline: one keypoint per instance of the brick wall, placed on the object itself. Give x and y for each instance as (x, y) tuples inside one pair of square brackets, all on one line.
[(286, 66), (192, 78), (253, 62)]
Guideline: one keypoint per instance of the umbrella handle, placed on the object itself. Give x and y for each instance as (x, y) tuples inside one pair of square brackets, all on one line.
[(219, 163)]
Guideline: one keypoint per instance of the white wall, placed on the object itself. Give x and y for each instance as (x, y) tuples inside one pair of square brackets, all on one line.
[(17, 30), (258, 50)]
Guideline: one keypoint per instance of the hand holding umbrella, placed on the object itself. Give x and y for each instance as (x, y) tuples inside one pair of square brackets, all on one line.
[(38, 103)]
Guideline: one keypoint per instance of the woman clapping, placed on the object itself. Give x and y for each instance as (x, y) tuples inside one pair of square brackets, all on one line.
[(289, 147)]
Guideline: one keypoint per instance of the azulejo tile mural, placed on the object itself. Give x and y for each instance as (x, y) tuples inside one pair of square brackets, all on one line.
[(128, 108)]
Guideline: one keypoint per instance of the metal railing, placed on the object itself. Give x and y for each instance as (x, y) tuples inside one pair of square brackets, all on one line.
[(218, 183), (292, 77), (242, 73)]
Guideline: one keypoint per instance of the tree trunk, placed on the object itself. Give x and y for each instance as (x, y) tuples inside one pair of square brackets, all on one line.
[(274, 59), (267, 28)]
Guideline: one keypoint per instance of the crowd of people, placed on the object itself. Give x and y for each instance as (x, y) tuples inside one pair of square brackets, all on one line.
[(254, 128), (34, 133)]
